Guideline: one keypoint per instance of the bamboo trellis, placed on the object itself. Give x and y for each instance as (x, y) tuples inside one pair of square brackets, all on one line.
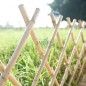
[(5, 70)]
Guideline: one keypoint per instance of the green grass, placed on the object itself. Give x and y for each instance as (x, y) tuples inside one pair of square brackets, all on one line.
[(28, 62)]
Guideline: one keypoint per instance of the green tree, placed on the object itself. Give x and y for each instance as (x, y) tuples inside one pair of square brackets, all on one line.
[(69, 8)]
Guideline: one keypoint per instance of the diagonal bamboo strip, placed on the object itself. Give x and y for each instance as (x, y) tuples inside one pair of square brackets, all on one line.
[(71, 57), (58, 36), (81, 26), (54, 24), (11, 77), (62, 54), (81, 69), (73, 38), (26, 20), (40, 51), (46, 55), (77, 63), (84, 61), (18, 50), (59, 39), (72, 35)]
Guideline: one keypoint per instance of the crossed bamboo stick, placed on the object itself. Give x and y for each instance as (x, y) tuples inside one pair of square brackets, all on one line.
[(46, 55), (61, 45), (83, 63), (11, 77), (77, 64), (71, 57), (11, 64), (73, 38), (29, 24), (72, 35), (26, 19), (59, 39), (62, 55), (81, 69), (81, 53), (40, 51)]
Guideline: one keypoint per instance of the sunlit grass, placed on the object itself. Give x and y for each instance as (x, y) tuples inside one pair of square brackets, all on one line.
[(29, 61)]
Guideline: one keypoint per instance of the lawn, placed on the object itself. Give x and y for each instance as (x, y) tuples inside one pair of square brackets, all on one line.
[(28, 62)]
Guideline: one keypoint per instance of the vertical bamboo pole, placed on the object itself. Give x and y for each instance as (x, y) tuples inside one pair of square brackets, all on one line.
[(11, 77), (71, 57), (18, 50), (59, 39), (72, 35), (61, 56), (46, 55), (35, 40)]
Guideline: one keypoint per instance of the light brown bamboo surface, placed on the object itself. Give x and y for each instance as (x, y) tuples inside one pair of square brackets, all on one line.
[(83, 63), (61, 55), (81, 25), (18, 50), (71, 57), (46, 54), (36, 42), (59, 39), (6, 71), (73, 38), (58, 35), (77, 63), (81, 69), (11, 77), (72, 35), (76, 66)]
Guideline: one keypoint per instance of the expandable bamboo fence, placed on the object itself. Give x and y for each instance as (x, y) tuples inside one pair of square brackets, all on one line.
[(5, 70)]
